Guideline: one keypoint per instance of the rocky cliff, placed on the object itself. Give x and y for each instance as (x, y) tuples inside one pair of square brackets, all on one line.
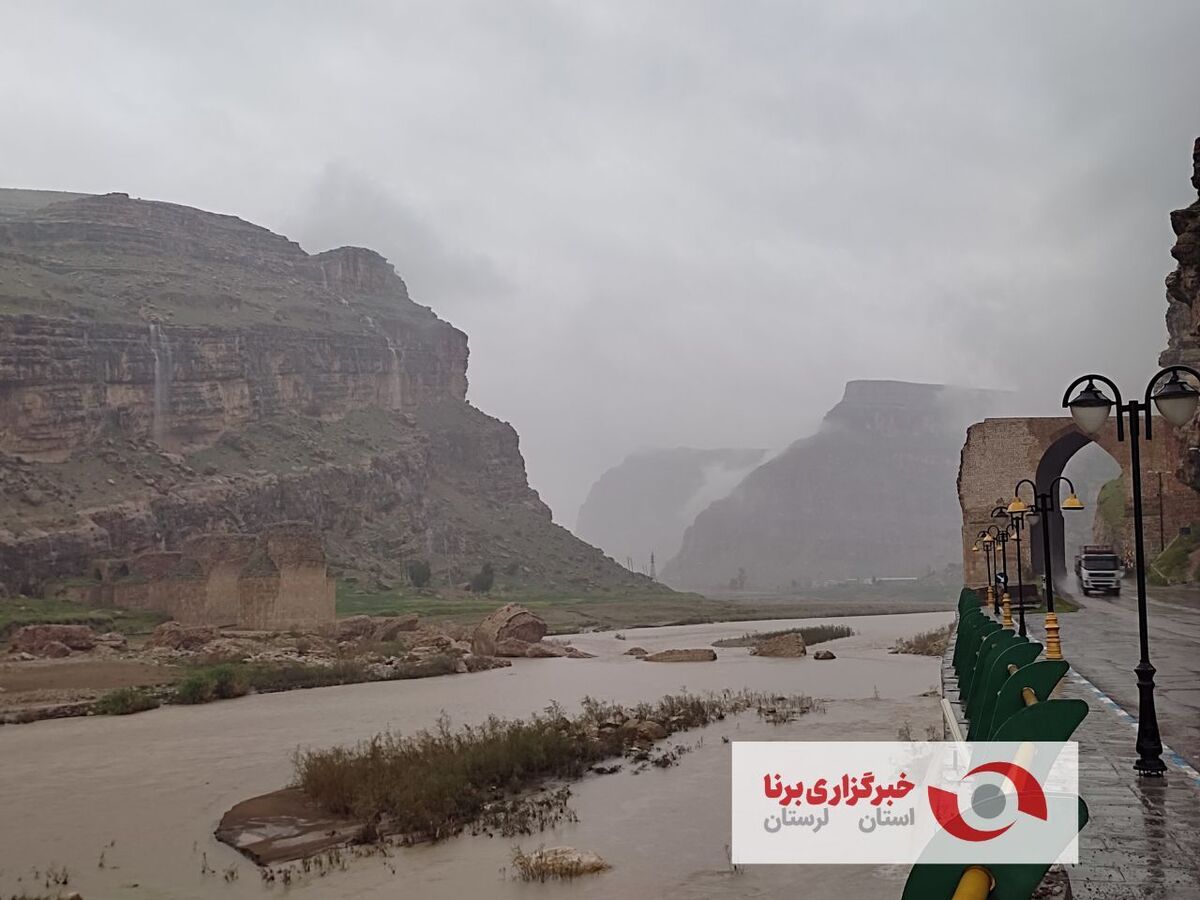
[(872, 494), (166, 371), (1183, 305), (644, 504)]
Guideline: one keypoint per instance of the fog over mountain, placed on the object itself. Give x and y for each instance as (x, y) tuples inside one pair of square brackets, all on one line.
[(871, 494), (669, 224), (642, 506)]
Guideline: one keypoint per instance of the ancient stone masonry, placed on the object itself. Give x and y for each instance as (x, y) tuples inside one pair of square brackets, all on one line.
[(270, 581), (1000, 452)]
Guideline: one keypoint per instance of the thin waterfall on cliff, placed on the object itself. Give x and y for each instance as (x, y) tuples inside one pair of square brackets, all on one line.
[(161, 351), (397, 392), (397, 395)]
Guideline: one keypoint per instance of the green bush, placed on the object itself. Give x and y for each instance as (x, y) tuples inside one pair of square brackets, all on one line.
[(124, 701), (482, 581), (199, 687), (228, 682), (294, 676), (419, 573), (1111, 501)]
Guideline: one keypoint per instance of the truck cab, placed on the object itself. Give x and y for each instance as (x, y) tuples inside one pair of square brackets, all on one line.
[(1098, 570)]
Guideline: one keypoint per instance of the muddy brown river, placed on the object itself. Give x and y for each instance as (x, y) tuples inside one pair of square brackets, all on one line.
[(128, 805)]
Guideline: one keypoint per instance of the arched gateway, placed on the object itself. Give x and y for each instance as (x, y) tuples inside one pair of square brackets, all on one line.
[(1000, 452)]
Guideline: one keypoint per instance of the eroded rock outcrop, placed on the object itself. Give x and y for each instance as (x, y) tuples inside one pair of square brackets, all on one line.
[(177, 636), (1183, 307), (50, 640)]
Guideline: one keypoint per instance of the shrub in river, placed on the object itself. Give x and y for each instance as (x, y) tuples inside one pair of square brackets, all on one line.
[(434, 783), (927, 643), (124, 701), (812, 634), (563, 863)]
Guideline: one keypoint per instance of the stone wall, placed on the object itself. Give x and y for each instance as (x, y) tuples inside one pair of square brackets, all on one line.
[(271, 581), (1000, 452)]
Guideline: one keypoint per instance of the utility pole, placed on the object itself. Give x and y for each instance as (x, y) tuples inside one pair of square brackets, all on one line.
[(654, 578)]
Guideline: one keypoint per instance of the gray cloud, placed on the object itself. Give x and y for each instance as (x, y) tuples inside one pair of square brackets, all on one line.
[(672, 223)]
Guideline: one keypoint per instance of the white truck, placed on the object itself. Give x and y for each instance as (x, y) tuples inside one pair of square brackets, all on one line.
[(1098, 570)]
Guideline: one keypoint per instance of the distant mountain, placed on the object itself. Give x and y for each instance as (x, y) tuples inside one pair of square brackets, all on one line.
[(872, 493), (643, 505)]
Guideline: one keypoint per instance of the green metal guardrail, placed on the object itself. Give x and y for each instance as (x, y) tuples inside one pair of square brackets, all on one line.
[(1006, 695)]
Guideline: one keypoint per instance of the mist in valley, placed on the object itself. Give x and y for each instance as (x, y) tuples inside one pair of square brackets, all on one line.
[(669, 225)]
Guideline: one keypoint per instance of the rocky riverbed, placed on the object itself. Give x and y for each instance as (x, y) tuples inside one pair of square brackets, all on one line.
[(63, 670)]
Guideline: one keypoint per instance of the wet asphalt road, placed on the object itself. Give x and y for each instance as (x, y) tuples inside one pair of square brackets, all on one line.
[(1101, 643)]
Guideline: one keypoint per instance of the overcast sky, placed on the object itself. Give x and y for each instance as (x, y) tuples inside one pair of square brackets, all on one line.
[(664, 223)]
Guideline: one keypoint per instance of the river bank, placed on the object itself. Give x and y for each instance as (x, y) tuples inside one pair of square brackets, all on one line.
[(35, 689), (146, 795)]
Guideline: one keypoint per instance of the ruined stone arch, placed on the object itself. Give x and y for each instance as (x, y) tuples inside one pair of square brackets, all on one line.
[(1000, 452)]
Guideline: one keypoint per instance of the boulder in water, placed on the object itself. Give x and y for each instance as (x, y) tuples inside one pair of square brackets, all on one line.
[(510, 622), (782, 645), (699, 655)]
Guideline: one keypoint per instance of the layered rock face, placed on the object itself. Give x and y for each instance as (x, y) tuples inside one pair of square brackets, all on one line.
[(872, 494), (644, 505), (167, 372), (178, 324), (1183, 307)]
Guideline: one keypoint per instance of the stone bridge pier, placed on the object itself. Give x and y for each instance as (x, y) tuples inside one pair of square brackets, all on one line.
[(1000, 452)]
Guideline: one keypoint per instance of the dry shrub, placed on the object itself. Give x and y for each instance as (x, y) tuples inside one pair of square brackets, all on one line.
[(812, 634), (927, 643), (436, 782), (556, 863)]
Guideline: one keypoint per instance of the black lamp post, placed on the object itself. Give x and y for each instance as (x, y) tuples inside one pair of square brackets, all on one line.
[(1016, 524), (1002, 537), (989, 544), (982, 544), (1043, 506), (1090, 408)]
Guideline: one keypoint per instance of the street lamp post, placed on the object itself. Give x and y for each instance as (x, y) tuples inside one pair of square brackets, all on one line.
[(1002, 536), (1043, 506), (1016, 524), (989, 545), (984, 545), (1176, 400)]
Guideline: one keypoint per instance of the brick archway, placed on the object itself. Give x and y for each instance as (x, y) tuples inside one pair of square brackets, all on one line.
[(1000, 452)]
